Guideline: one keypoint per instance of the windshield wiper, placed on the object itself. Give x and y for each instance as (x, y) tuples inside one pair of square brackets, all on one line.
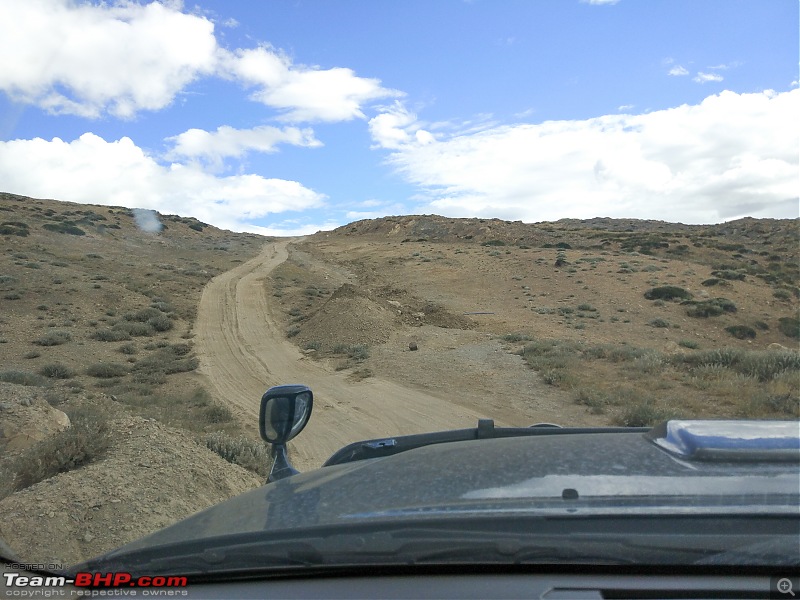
[(381, 447)]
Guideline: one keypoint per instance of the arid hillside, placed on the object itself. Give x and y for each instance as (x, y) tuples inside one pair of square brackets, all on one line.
[(132, 363)]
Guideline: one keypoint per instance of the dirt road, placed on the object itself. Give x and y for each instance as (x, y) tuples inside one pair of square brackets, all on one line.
[(243, 351)]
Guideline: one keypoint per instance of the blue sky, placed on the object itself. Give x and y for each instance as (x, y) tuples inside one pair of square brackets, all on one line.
[(286, 117)]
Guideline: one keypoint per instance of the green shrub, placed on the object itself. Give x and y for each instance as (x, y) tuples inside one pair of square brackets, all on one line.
[(128, 349), (57, 371), (22, 378), (667, 292), (85, 440), (53, 338), (64, 228), (710, 282), (782, 294), (642, 414), (217, 413), (11, 296), (292, 331), (789, 326), (729, 275), (110, 335), (241, 451), (689, 344), (711, 308), (106, 370), (161, 322), (659, 323), (134, 328), (741, 332)]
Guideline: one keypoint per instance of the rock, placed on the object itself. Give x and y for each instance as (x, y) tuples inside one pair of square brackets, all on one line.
[(27, 418), (412, 346)]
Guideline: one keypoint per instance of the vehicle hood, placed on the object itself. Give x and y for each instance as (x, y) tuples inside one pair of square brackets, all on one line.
[(559, 475)]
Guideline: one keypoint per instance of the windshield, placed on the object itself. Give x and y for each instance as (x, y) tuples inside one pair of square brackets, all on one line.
[(432, 214)]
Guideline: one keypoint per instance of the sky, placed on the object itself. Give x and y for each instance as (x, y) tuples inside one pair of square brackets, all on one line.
[(284, 117)]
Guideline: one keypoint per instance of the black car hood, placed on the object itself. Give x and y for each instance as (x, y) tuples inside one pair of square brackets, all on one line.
[(578, 475)]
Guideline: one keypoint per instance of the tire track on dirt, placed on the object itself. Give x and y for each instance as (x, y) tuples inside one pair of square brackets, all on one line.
[(243, 351)]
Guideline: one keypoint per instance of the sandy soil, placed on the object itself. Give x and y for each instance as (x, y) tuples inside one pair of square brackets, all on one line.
[(243, 351)]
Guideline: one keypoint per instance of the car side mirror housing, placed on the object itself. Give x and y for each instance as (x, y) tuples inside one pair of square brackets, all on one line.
[(285, 411)]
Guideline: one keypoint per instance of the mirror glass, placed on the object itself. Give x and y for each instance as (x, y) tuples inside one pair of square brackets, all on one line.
[(285, 410)]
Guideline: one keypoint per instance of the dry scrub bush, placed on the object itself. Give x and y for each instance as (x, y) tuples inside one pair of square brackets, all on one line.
[(85, 440), (241, 451)]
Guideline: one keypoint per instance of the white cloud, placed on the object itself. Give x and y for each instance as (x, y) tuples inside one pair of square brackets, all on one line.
[(625, 107), (678, 71), (303, 93), (392, 127), (731, 155), (122, 57), (92, 170), (87, 59), (225, 142), (706, 77)]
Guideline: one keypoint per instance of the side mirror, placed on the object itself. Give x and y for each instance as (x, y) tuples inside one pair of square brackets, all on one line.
[(285, 411)]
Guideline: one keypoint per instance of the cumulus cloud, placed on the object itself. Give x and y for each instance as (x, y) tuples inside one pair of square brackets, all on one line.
[(678, 71), (213, 147), (706, 77), (93, 170), (302, 93), (122, 57), (87, 59), (731, 155)]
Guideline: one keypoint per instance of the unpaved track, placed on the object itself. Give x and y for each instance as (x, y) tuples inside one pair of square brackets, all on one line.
[(243, 351)]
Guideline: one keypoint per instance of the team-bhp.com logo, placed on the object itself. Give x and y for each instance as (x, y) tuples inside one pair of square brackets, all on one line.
[(94, 584)]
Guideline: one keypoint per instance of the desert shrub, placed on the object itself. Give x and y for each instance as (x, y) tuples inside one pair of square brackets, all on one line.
[(768, 365), (17, 228), (85, 440), (241, 451), (134, 328), (659, 323), (11, 296), (53, 338), (691, 344), (160, 322), (782, 294), (64, 228), (22, 378), (516, 337), (358, 352), (217, 413), (196, 227), (789, 326), (711, 308), (313, 345), (143, 316), (667, 292), (494, 243), (741, 332), (292, 331), (106, 370), (642, 414), (110, 335), (57, 371), (729, 275), (32, 354), (710, 282), (128, 349), (169, 360), (162, 306)]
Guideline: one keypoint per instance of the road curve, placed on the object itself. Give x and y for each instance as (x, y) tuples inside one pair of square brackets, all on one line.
[(243, 351)]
